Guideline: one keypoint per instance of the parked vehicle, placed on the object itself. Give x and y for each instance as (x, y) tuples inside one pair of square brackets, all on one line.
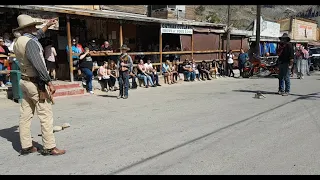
[(315, 58), (261, 66)]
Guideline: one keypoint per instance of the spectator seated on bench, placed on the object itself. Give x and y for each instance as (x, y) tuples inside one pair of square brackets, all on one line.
[(175, 71), (152, 72), (133, 77), (220, 66), (143, 75), (104, 77), (204, 69), (167, 72), (188, 72), (214, 69), (114, 74), (195, 69)]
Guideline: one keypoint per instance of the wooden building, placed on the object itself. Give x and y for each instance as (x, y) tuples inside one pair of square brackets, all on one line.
[(299, 29), (198, 40)]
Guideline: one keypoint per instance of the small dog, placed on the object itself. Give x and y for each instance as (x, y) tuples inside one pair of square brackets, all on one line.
[(259, 95)]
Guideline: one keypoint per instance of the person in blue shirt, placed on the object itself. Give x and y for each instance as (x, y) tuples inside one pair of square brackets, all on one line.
[(76, 54), (243, 57)]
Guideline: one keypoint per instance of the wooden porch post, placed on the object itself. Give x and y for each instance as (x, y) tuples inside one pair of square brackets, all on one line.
[(192, 45), (120, 34), (220, 41), (70, 49), (241, 42), (160, 48)]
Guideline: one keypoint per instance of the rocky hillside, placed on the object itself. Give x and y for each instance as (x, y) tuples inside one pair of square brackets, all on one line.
[(243, 15)]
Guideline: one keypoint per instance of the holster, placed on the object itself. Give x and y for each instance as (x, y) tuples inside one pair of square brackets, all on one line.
[(43, 94)]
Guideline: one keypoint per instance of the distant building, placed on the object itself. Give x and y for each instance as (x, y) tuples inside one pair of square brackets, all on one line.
[(300, 29)]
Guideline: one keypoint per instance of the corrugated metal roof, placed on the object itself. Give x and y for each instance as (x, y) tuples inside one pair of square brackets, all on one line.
[(111, 15)]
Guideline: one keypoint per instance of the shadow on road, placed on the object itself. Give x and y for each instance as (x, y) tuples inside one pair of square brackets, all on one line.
[(106, 95), (12, 136), (209, 134), (308, 96)]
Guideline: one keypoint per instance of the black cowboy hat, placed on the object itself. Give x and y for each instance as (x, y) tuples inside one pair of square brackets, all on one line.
[(124, 47), (285, 36)]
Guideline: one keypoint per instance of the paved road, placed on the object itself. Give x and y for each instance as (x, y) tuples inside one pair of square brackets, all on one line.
[(212, 127)]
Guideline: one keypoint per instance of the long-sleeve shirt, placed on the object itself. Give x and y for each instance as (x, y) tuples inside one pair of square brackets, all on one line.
[(286, 54), (129, 63), (34, 53)]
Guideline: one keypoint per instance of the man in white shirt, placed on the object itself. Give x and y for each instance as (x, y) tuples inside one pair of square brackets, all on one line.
[(152, 72)]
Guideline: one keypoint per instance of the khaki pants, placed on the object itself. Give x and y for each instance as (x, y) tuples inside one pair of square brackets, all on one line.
[(30, 103)]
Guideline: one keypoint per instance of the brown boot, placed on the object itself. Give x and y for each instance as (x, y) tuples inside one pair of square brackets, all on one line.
[(29, 150), (54, 152)]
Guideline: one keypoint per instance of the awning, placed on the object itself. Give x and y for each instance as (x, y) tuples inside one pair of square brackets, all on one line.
[(111, 15), (208, 30)]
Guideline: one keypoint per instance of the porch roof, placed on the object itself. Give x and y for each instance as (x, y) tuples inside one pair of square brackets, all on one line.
[(111, 15)]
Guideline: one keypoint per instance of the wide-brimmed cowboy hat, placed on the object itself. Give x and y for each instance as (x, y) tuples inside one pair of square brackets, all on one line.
[(124, 47), (26, 21), (285, 36)]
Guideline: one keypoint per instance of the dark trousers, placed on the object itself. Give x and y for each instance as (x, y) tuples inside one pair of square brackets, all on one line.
[(123, 83), (284, 78), (134, 82), (204, 72), (88, 73), (155, 78), (230, 69), (221, 72), (175, 76), (241, 66), (112, 81), (104, 83)]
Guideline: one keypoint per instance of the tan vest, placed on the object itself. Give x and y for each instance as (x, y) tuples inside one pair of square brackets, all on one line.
[(19, 50)]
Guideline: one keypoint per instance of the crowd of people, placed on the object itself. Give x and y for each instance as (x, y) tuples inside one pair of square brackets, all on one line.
[(109, 71)]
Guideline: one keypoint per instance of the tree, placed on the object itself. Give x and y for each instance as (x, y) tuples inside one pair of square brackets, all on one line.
[(200, 10), (213, 17)]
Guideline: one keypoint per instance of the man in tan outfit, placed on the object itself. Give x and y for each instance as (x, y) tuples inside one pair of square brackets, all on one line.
[(34, 79)]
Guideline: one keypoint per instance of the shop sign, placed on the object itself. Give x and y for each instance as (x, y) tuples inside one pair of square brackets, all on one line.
[(175, 29)]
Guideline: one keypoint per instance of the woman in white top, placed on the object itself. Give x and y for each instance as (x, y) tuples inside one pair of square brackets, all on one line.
[(50, 55), (104, 76), (230, 57)]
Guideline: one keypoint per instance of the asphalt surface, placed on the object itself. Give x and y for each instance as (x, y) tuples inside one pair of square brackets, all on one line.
[(214, 127)]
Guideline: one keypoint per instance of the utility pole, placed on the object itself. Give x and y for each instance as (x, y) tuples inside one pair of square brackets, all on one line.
[(258, 30), (228, 38)]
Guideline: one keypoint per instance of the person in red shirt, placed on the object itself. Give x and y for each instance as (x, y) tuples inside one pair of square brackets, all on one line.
[(79, 46), (5, 51)]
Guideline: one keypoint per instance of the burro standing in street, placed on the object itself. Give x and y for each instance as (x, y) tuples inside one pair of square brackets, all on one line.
[(125, 66), (286, 56), (34, 82)]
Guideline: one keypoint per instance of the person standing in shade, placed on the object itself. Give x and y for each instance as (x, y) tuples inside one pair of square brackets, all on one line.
[(286, 55), (125, 66), (34, 79), (243, 57), (230, 57), (50, 56), (86, 67)]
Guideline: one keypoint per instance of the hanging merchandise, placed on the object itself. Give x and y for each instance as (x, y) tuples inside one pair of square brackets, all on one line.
[(273, 47), (261, 49)]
